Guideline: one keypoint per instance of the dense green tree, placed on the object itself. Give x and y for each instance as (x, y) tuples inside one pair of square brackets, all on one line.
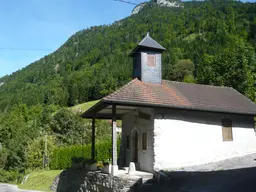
[(184, 68), (68, 128)]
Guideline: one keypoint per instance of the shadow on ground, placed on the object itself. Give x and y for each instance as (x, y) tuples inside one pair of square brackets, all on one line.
[(238, 180), (74, 180)]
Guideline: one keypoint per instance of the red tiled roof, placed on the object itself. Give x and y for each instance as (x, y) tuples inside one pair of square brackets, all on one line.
[(183, 95)]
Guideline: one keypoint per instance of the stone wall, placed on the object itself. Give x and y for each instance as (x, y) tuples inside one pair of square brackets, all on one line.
[(73, 180)]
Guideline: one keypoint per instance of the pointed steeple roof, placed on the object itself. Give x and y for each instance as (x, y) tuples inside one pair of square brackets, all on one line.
[(151, 43), (148, 43)]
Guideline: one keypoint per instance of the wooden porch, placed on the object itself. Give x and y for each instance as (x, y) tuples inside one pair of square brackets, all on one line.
[(113, 112)]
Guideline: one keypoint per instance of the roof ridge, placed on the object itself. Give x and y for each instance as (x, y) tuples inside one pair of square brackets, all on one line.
[(203, 85)]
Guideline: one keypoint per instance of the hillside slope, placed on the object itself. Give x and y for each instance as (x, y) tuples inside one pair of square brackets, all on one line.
[(219, 38)]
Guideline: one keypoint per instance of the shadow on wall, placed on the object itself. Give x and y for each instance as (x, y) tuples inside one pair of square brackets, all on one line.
[(210, 118)]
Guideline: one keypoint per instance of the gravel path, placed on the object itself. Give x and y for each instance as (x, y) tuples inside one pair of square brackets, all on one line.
[(11, 188), (232, 175)]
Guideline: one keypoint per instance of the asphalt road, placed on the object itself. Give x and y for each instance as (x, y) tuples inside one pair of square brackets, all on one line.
[(233, 175), (240, 180), (11, 188)]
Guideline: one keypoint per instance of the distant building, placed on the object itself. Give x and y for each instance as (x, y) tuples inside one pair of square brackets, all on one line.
[(168, 124)]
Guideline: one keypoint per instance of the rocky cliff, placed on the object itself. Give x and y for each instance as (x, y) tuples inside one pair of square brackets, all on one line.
[(162, 3), (138, 8), (169, 3)]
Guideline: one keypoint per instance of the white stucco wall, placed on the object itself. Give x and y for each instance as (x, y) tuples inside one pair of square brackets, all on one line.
[(129, 124), (190, 138)]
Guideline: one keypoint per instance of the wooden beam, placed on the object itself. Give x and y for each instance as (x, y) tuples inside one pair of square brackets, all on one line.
[(93, 139), (114, 146)]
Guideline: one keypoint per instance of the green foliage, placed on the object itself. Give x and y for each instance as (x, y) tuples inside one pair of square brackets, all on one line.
[(10, 176), (36, 150), (23, 130), (183, 68), (63, 157), (189, 79), (67, 127), (17, 128), (238, 64), (3, 158)]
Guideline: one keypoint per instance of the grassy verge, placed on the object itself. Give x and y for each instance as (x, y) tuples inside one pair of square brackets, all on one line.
[(40, 180), (83, 107)]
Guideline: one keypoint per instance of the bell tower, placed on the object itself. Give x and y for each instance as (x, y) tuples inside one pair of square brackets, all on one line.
[(147, 61)]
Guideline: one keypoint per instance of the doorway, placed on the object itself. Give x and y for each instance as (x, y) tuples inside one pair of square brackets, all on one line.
[(135, 141)]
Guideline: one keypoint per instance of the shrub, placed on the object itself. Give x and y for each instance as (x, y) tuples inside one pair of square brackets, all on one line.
[(35, 152), (9, 176), (62, 157), (3, 158)]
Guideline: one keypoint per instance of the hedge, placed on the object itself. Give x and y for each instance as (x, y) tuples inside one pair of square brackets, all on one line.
[(62, 157)]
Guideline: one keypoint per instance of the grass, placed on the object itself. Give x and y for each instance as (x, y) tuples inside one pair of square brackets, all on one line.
[(83, 107), (192, 37), (40, 180), (78, 109)]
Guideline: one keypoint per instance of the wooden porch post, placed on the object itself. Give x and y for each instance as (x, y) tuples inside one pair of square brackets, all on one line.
[(93, 139), (114, 147)]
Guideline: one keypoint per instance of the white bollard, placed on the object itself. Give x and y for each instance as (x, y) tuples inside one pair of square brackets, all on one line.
[(132, 168)]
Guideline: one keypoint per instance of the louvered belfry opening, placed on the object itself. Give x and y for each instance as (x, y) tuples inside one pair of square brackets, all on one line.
[(147, 61)]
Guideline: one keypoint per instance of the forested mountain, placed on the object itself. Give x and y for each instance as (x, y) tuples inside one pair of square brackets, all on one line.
[(219, 37), (211, 42)]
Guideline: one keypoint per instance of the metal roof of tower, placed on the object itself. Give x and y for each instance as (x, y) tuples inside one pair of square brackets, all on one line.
[(148, 43)]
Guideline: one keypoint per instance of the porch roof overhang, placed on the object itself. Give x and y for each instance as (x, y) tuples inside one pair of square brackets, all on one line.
[(103, 110)]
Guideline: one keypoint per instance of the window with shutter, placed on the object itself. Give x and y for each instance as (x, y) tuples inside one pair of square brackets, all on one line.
[(227, 134), (144, 141)]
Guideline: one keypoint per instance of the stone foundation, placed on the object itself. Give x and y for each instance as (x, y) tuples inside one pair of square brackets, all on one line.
[(83, 181)]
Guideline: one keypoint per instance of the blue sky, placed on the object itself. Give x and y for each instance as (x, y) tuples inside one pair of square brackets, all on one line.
[(47, 24)]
